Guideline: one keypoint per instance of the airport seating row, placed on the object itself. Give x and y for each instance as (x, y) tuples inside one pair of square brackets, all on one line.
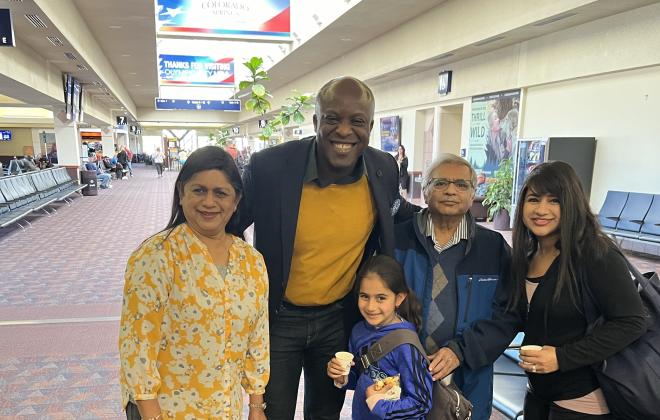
[(631, 215), (510, 382), (24, 194)]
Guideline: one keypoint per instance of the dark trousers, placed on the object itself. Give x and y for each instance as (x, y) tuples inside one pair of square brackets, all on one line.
[(304, 338), (159, 168), (538, 409)]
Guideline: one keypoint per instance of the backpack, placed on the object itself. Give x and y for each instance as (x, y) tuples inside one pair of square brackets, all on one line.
[(630, 379), (448, 402)]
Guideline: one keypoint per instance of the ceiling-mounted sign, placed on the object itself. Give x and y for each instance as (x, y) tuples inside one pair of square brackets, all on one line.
[(122, 120), (189, 70), (260, 19), (263, 123), (231, 105), (5, 135), (6, 29)]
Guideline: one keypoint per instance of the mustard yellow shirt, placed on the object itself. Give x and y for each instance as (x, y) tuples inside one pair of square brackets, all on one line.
[(190, 336), (334, 224)]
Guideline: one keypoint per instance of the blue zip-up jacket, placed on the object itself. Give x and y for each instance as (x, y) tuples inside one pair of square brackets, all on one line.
[(415, 379), (484, 327)]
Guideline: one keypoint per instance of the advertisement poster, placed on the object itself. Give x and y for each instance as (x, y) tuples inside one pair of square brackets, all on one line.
[(493, 129), (390, 133), (189, 70), (263, 19)]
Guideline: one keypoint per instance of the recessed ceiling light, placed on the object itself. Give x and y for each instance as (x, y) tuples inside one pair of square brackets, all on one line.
[(138, 85), (345, 39), (115, 26), (125, 55), (132, 73)]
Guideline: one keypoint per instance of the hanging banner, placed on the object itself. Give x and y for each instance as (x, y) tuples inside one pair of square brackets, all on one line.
[(262, 19), (189, 70), (493, 129)]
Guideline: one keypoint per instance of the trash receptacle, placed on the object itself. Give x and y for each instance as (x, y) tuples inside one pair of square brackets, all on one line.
[(88, 178)]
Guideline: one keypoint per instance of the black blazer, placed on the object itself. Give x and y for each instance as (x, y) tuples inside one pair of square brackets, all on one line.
[(273, 182)]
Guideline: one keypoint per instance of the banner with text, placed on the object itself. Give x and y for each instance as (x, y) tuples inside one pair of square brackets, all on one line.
[(263, 19), (189, 70), (493, 129)]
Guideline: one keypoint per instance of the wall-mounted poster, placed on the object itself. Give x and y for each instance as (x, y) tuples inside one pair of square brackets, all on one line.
[(189, 70), (261, 19), (493, 129), (390, 133)]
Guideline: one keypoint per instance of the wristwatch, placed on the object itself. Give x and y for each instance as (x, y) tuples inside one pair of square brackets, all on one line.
[(258, 406)]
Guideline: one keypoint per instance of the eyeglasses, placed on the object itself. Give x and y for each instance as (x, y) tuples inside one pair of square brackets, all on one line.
[(441, 184)]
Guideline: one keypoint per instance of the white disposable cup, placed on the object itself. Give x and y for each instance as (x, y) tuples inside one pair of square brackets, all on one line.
[(531, 347), (345, 358)]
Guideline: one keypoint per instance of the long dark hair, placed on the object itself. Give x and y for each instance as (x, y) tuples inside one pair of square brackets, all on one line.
[(204, 159), (580, 235), (388, 269)]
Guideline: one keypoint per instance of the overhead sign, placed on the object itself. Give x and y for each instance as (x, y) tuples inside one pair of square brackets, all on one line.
[(6, 29), (231, 105), (263, 19), (122, 120), (263, 123), (190, 70), (5, 135), (236, 130)]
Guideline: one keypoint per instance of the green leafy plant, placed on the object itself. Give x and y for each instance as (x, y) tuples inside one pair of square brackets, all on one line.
[(298, 103), (219, 138), (258, 101), (499, 192)]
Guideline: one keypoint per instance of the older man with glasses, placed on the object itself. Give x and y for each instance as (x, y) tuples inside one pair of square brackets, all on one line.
[(460, 272)]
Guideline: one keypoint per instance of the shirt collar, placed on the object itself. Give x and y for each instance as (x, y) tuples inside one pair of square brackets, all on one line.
[(312, 170), (461, 233)]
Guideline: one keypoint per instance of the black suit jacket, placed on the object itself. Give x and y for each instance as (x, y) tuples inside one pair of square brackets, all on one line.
[(273, 182)]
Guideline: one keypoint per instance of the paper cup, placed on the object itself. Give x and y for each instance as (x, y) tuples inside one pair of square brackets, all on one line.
[(531, 347), (345, 358)]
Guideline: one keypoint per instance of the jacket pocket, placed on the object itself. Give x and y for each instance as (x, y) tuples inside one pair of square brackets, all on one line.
[(475, 298)]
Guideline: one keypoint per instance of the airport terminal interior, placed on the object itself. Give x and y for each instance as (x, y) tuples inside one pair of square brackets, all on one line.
[(504, 84)]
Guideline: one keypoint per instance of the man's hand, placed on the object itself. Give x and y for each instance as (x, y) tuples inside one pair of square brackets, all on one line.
[(443, 362), (539, 361), (336, 370)]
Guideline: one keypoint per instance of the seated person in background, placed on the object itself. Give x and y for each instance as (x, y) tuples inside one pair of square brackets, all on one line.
[(104, 178), (28, 164), (482, 185)]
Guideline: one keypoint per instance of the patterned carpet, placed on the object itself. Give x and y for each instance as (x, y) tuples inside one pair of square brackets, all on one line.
[(60, 298)]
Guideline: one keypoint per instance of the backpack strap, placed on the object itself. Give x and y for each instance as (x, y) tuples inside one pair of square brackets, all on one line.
[(389, 342)]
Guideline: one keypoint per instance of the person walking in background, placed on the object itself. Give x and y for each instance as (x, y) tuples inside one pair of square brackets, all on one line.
[(387, 305), (159, 158), (129, 160), (404, 178), (122, 158), (460, 272), (320, 206), (194, 322), (559, 253)]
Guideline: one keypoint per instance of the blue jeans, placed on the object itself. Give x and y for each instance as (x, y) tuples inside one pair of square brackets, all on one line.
[(104, 180), (304, 337)]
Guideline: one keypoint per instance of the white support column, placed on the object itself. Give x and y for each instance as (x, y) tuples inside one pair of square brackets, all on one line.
[(108, 141), (68, 143)]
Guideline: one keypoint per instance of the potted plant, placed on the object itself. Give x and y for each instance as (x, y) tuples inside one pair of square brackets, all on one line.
[(498, 195)]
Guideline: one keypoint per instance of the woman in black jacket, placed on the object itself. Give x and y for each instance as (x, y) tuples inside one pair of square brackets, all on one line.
[(404, 178), (559, 252)]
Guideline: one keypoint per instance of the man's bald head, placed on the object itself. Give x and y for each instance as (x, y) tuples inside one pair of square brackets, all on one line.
[(344, 86)]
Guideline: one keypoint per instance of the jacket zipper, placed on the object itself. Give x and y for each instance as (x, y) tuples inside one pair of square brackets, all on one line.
[(469, 299)]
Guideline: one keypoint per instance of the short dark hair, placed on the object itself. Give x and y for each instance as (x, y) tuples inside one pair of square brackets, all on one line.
[(327, 89), (205, 159), (389, 269), (580, 236)]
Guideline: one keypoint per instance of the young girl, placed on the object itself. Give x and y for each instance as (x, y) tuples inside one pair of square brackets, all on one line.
[(386, 304), (559, 252)]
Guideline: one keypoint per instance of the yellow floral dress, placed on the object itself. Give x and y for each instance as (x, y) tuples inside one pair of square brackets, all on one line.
[(190, 336)]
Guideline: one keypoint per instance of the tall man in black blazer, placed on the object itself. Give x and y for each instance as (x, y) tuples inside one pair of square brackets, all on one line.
[(319, 206)]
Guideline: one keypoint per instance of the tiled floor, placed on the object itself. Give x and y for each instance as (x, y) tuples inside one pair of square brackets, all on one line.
[(60, 295)]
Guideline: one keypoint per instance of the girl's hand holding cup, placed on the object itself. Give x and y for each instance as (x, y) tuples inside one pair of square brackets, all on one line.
[(340, 366)]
